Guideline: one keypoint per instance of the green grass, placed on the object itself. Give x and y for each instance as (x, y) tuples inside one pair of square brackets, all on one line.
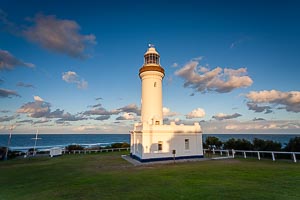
[(108, 176)]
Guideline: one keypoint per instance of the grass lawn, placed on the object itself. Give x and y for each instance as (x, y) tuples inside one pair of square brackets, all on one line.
[(108, 176)]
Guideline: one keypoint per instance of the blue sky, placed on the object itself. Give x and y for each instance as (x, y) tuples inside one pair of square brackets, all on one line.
[(73, 67)]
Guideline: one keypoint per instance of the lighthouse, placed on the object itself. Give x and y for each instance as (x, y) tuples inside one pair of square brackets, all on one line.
[(151, 139), (151, 75)]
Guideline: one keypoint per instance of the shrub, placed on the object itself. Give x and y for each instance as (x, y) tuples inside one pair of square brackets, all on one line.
[(2, 152), (120, 145), (73, 147)]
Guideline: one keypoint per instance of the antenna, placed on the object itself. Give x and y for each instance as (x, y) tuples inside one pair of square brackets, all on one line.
[(8, 143), (150, 45), (36, 138)]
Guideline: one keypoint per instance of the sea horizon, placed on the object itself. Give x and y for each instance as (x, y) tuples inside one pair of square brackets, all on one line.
[(25, 141), (16, 133)]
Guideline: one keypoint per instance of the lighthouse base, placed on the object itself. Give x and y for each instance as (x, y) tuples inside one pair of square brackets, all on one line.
[(166, 142), (165, 158)]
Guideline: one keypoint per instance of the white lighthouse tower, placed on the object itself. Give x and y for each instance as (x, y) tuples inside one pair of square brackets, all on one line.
[(151, 140), (151, 75)]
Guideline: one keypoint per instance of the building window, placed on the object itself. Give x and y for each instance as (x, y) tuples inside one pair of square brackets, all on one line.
[(156, 122), (187, 144), (154, 84), (160, 146)]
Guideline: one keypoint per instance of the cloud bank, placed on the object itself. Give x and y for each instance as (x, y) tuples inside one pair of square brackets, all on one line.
[(35, 109), (290, 101), (201, 79), (58, 35)]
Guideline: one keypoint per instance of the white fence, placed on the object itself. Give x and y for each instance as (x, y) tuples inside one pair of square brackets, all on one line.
[(258, 153), (85, 151)]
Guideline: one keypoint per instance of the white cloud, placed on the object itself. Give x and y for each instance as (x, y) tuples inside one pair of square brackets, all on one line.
[(168, 113), (8, 61), (84, 128), (59, 35), (197, 113), (175, 65), (289, 100), (36, 109), (222, 116), (126, 116), (72, 77), (37, 98), (204, 80), (133, 108)]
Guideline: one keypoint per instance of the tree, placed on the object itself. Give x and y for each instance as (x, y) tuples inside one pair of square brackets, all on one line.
[(293, 145), (212, 141), (230, 144), (266, 145), (239, 144)]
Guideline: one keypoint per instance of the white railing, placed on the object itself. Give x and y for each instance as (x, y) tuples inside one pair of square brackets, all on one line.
[(217, 150), (258, 153), (85, 151)]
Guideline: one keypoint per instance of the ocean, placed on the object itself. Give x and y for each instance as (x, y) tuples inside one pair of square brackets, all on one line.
[(23, 142)]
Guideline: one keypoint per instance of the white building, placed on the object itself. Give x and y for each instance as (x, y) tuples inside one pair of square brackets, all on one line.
[(151, 140)]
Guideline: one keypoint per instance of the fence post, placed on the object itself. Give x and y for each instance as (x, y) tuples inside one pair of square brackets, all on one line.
[(227, 153), (233, 153), (221, 152), (258, 155), (273, 157), (245, 154), (213, 151), (294, 157)]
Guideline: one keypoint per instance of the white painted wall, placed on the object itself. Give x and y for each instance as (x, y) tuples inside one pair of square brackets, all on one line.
[(172, 137)]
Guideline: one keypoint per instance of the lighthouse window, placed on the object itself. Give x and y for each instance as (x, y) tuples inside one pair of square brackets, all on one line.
[(160, 146), (154, 84), (187, 144)]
